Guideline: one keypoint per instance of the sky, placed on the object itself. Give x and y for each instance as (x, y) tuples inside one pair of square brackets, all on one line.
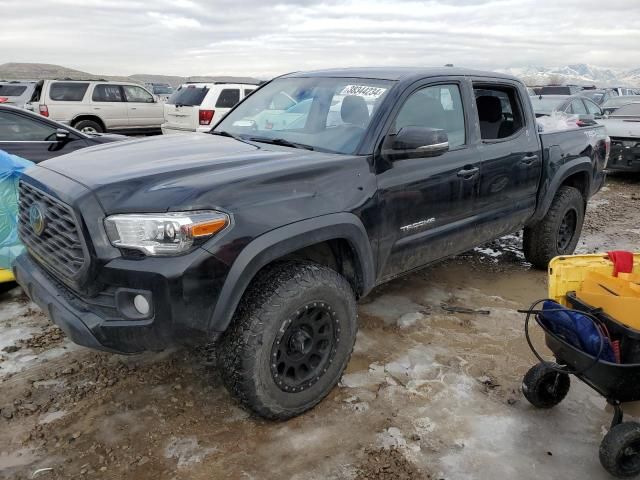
[(264, 38)]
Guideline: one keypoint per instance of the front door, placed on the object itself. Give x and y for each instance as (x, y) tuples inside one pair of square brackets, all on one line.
[(142, 109), (427, 204), (30, 138)]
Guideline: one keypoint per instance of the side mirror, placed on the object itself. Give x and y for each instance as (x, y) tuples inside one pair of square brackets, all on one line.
[(416, 142), (62, 135)]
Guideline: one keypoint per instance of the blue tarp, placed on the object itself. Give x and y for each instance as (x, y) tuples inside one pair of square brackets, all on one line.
[(11, 167)]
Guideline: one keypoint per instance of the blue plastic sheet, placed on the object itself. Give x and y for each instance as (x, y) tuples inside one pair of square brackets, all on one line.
[(11, 167), (576, 329)]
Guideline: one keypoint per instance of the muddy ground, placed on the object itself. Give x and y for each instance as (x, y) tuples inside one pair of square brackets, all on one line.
[(428, 394)]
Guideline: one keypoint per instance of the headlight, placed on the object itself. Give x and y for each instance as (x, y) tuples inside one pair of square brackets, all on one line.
[(169, 233)]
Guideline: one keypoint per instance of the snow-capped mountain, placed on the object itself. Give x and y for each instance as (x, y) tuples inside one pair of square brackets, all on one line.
[(581, 73)]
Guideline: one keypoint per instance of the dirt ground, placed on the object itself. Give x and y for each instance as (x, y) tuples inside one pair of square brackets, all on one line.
[(429, 394)]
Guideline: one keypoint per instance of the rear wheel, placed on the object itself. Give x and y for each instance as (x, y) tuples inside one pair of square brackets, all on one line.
[(291, 339), (620, 450), (558, 232), (88, 126)]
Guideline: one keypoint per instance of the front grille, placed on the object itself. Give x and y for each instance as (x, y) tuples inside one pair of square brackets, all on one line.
[(59, 245)]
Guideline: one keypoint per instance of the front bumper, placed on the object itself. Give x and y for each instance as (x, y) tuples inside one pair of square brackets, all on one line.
[(182, 290), (625, 155)]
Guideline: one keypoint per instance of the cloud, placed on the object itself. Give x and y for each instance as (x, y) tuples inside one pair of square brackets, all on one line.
[(193, 37)]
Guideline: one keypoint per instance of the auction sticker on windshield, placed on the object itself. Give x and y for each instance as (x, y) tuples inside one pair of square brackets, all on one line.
[(363, 91)]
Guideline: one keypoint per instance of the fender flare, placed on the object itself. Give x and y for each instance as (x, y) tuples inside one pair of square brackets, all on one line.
[(550, 187), (282, 241)]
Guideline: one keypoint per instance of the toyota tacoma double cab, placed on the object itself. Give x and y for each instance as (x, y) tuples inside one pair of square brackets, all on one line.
[(262, 235)]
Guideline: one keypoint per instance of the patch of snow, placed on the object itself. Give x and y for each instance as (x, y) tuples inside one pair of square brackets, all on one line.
[(390, 308), (187, 451)]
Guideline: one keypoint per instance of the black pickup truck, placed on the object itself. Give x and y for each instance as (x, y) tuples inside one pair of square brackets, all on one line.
[(263, 234)]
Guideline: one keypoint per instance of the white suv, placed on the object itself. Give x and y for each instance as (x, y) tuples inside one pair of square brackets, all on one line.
[(98, 106), (196, 107)]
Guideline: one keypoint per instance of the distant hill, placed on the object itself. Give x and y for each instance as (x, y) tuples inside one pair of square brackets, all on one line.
[(581, 74), (38, 71)]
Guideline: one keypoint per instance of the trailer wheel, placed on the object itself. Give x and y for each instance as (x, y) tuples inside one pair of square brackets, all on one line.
[(545, 387), (620, 450)]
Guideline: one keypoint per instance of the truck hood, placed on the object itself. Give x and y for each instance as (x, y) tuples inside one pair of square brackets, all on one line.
[(198, 171)]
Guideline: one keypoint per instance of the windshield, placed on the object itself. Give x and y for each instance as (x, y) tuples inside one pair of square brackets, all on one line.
[(162, 90), (631, 110), (328, 114), (546, 105)]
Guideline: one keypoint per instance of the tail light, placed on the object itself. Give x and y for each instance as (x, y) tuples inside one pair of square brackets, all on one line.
[(3, 99), (44, 110), (206, 116)]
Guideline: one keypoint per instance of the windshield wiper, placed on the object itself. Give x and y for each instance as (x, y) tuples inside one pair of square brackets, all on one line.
[(282, 142), (224, 133)]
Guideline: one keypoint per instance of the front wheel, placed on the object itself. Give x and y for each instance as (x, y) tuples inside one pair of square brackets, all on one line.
[(544, 387), (620, 450), (558, 232), (290, 340)]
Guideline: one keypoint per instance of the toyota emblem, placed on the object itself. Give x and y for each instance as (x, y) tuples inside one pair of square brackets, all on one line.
[(37, 219)]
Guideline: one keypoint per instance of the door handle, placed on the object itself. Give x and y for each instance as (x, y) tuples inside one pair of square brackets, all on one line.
[(529, 159), (468, 173), (133, 108)]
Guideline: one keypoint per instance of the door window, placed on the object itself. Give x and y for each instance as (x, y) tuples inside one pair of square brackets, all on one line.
[(135, 94), (107, 93), (578, 108), (18, 128), (228, 98), (499, 111), (68, 91), (247, 91), (592, 108), (439, 107)]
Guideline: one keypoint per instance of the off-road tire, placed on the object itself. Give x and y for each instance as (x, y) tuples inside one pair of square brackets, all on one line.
[(540, 241), (545, 387), (88, 124), (245, 351), (620, 450)]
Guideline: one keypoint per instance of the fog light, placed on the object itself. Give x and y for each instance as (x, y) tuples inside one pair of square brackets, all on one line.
[(141, 304)]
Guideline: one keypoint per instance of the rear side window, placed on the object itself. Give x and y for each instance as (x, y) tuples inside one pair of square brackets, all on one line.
[(592, 108), (68, 91), (189, 96), (107, 93), (228, 98), (137, 94), (12, 90), (499, 111), (248, 92)]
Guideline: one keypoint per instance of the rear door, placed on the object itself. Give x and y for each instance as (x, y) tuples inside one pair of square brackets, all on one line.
[(181, 112), (108, 103), (228, 98), (143, 110), (511, 163), (427, 205), (33, 139)]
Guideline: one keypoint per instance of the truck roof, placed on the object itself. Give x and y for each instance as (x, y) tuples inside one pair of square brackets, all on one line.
[(399, 73)]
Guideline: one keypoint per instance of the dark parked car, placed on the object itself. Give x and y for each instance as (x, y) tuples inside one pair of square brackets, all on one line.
[(586, 109), (559, 90), (36, 138), (262, 234), (600, 96)]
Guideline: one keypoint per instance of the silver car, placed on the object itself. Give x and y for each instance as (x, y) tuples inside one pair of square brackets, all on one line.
[(16, 92)]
